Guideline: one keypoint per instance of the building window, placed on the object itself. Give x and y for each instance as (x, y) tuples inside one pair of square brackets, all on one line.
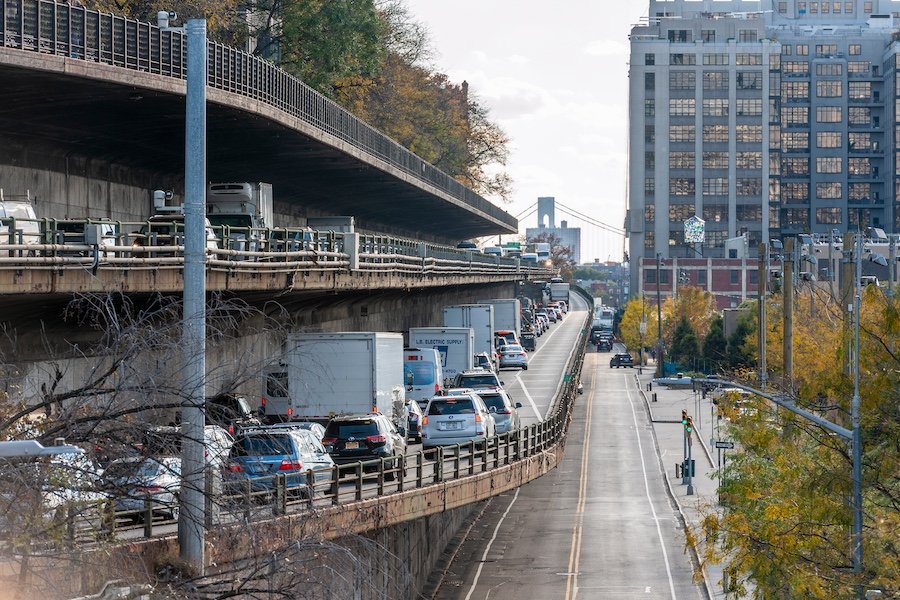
[(682, 80), (829, 164), (680, 186), (649, 187), (715, 160), (680, 212), (859, 116), (855, 67), (774, 221), (823, 50), (650, 81), (795, 140), (749, 107), (828, 216), (650, 213), (748, 186), (649, 273), (682, 133), (795, 90), (775, 62), (830, 190), (681, 160), (716, 239), (828, 114), (749, 80), (859, 166), (814, 7), (715, 186), (830, 69), (859, 191), (774, 137), (715, 213), (749, 134), (682, 107), (848, 7), (749, 212), (794, 67), (830, 88), (715, 107), (795, 166), (859, 90), (680, 35), (715, 134), (708, 35), (796, 216), (682, 59), (701, 277), (795, 192), (774, 163), (745, 58), (734, 277), (649, 134), (649, 161), (748, 160), (748, 36), (867, 7), (795, 115), (715, 59), (828, 139), (854, 49), (785, 50), (649, 59), (715, 80), (802, 50), (664, 276), (650, 108)]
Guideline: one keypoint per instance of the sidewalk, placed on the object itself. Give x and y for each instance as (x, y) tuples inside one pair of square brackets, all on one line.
[(665, 416)]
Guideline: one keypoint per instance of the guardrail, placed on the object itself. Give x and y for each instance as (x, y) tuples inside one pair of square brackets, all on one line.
[(60, 244), (47, 27), (238, 499)]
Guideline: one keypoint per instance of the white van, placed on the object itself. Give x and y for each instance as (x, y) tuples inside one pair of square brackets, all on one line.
[(18, 210), (422, 373)]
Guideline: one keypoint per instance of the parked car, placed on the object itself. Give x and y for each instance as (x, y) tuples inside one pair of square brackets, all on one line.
[(621, 360), (501, 407), (457, 419), (136, 481), (513, 355), (477, 379), (230, 412), (414, 421), (259, 454), (367, 437)]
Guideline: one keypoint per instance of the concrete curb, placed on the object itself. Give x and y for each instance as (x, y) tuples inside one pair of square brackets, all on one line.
[(694, 551)]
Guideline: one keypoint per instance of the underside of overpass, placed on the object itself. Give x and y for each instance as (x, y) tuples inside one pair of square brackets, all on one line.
[(77, 118)]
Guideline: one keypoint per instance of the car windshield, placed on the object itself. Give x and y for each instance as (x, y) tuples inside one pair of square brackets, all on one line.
[(355, 429), (451, 406), (262, 445), (511, 348), (477, 380)]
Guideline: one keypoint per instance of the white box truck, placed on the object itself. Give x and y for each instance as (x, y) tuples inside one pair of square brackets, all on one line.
[(479, 317), (456, 345), (559, 291), (326, 374), (507, 314)]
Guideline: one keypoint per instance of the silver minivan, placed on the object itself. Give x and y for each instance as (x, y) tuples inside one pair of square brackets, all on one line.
[(457, 419)]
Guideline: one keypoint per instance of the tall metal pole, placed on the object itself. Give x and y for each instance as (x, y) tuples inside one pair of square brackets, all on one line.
[(788, 300), (855, 419), (659, 344), (191, 523), (763, 281)]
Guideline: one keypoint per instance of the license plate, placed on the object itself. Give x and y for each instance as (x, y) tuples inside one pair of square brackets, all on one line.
[(451, 426), (351, 445)]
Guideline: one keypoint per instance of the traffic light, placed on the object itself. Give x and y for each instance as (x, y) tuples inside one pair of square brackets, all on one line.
[(688, 422)]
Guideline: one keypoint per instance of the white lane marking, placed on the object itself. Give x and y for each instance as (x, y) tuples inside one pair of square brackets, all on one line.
[(662, 544), (534, 407), (490, 543)]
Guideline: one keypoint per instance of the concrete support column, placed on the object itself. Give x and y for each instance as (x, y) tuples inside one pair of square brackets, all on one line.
[(351, 247)]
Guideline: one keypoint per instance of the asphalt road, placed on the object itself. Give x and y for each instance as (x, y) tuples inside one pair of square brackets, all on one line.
[(599, 527)]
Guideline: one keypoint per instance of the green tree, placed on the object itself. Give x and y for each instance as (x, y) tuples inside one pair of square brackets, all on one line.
[(715, 346), (685, 347), (740, 355), (560, 254)]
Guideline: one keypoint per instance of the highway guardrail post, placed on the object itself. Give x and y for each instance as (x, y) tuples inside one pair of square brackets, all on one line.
[(359, 480), (335, 485), (148, 516)]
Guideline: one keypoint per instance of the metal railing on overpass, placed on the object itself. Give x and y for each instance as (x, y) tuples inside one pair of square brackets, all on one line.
[(47, 27), (159, 245)]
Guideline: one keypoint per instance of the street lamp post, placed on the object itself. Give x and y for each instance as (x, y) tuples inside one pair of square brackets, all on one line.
[(659, 344)]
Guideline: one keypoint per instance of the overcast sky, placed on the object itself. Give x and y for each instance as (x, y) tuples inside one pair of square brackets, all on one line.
[(555, 77)]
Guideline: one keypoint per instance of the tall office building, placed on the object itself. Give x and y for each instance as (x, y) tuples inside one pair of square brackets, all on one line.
[(766, 117)]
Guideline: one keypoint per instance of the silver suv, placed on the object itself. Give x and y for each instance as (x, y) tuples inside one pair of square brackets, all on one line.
[(477, 379), (457, 419), (501, 407)]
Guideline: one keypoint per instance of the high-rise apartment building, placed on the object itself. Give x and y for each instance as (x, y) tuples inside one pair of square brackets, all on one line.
[(766, 117)]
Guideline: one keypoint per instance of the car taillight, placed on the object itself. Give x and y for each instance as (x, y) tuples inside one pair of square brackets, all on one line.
[(504, 411), (262, 400), (328, 441), (478, 418), (290, 465), (425, 420), (290, 411), (231, 429), (437, 388), (376, 439), (235, 468)]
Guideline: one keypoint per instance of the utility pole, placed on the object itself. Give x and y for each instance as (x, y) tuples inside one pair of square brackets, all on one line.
[(847, 277), (763, 281), (856, 443), (192, 520), (788, 302), (659, 342)]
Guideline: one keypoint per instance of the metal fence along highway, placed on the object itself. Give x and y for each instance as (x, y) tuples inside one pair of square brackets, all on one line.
[(77, 33)]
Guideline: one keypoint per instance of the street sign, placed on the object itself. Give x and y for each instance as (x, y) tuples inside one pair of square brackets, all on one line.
[(725, 445)]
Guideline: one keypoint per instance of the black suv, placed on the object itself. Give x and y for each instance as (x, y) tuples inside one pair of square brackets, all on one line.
[(621, 360), (360, 438)]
